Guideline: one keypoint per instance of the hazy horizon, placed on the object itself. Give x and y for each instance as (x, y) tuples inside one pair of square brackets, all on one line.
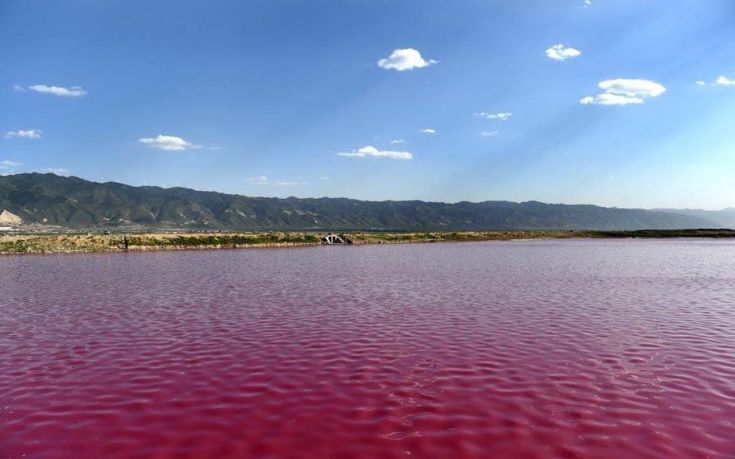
[(616, 104)]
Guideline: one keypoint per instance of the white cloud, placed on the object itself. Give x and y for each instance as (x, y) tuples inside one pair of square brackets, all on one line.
[(502, 116), (214, 148), (325, 178), (372, 152), (74, 91), (610, 99), (633, 88), (722, 80), (561, 53), (397, 141), (18, 88), (23, 134), (624, 92), (260, 179), (287, 183), (405, 59), (427, 131), (55, 170), (167, 143), (7, 164), (587, 3), (7, 167), (263, 180), (489, 133)]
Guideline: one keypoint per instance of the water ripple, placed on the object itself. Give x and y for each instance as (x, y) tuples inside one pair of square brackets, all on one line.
[(536, 349)]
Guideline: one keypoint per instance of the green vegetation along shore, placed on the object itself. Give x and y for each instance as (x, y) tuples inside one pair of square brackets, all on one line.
[(93, 242)]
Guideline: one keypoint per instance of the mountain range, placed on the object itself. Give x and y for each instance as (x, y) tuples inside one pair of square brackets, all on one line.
[(72, 202)]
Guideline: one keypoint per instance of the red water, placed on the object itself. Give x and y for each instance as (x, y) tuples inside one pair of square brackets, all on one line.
[(598, 349)]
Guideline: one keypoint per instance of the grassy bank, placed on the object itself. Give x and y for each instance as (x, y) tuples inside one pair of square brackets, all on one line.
[(686, 233), (69, 243)]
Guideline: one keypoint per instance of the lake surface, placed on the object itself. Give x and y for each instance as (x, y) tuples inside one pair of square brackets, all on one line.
[(575, 348)]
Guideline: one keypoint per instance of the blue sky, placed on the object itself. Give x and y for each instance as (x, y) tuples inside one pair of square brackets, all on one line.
[(611, 102)]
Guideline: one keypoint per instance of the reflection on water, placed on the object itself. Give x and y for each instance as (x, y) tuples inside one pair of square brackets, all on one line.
[(503, 349)]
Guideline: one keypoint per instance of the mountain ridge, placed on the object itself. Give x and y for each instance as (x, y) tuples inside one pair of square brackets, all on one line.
[(73, 202)]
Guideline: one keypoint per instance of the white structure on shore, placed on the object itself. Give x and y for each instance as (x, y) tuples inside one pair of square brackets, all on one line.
[(331, 239), (9, 218)]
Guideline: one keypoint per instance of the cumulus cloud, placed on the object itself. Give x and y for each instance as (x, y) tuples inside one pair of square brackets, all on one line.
[(167, 143), (587, 3), (624, 92), (502, 116), (74, 91), (489, 133), (427, 131), (561, 53), (722, 80), (405, 59), (372, 152), (23, 134)]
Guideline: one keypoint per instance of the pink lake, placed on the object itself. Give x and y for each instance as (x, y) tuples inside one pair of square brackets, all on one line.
[(539, 349)]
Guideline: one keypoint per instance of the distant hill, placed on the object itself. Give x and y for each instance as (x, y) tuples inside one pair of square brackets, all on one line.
[(722, 218), (76, 203)]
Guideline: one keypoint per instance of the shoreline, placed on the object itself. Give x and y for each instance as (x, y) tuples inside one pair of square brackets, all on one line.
[(19, 244)]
